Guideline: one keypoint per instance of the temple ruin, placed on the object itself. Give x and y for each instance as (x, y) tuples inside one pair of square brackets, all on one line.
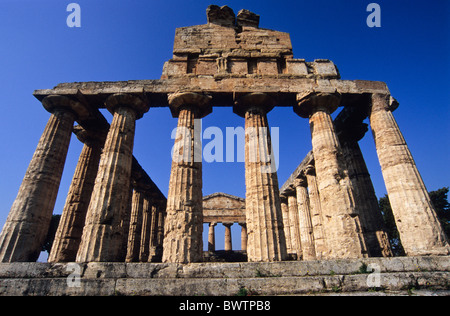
[(326, 210)]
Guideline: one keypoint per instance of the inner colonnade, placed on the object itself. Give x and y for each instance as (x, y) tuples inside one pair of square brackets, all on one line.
[(326, 210)]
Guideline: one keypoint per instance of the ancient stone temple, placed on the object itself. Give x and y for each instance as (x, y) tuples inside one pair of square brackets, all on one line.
[(326, 210)]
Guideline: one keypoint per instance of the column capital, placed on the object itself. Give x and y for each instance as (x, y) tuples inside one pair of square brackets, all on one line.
[(257, 101), (312, 101), (300, 182), (200, 103), (384, 102), (129, 101), (90, 137), (310, 170), (55, 102), (353, 133)]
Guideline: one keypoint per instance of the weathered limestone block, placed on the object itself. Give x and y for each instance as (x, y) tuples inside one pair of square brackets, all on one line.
[(415, 217), (68, 236), (341, 223), (184, 222), (29, 218), (103, 234), (266, 240)]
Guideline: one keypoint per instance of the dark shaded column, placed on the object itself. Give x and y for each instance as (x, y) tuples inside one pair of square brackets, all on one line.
[(68, 236)]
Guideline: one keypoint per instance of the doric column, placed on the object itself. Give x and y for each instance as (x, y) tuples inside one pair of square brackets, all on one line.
[(211, 237), (340, 218), (294, 223), (286, 223), (243, 236), (228, 242), (316, 211), (184, 219), (304, 217), (153, 233), (366, 201), (68, 236), (266, 240), (29, 218), (417, 223), (103, 233), (147, 218), (162, 205), (139, 202)]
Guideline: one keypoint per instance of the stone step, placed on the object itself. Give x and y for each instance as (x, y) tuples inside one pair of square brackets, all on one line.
[(277, 278)]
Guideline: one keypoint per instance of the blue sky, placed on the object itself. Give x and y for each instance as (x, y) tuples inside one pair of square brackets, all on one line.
[(125, 40)]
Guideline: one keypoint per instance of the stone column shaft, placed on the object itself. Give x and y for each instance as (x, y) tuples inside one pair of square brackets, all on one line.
[(184, 220), (243, 237), (266, 240), (286, 223), (415, 217), (304, 216), (68, 236), (228, 241), (211, 238), (340, 218), (366, 201), (135, 231), (29, 219), (294, 225), (316, 212), (103, 234), (147, 218)]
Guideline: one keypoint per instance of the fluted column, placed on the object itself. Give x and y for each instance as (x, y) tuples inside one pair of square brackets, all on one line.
[(211, 237), (147, 218), (68, 236), (28, 221), (243, 236), (304, 217), (266, 240), (228, 241), (139, 202), (316, 212), (415, 217), (340, 218), (103, 233), (184, 220), (294, 223), (286, 223), (366, 202)]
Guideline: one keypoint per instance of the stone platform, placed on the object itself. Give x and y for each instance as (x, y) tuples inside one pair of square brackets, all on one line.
[(372, 275)]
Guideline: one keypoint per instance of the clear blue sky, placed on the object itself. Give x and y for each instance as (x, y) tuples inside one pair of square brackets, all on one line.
[(124, 40)]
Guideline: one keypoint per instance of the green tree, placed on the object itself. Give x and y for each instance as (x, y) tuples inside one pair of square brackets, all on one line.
[(439, 199)]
